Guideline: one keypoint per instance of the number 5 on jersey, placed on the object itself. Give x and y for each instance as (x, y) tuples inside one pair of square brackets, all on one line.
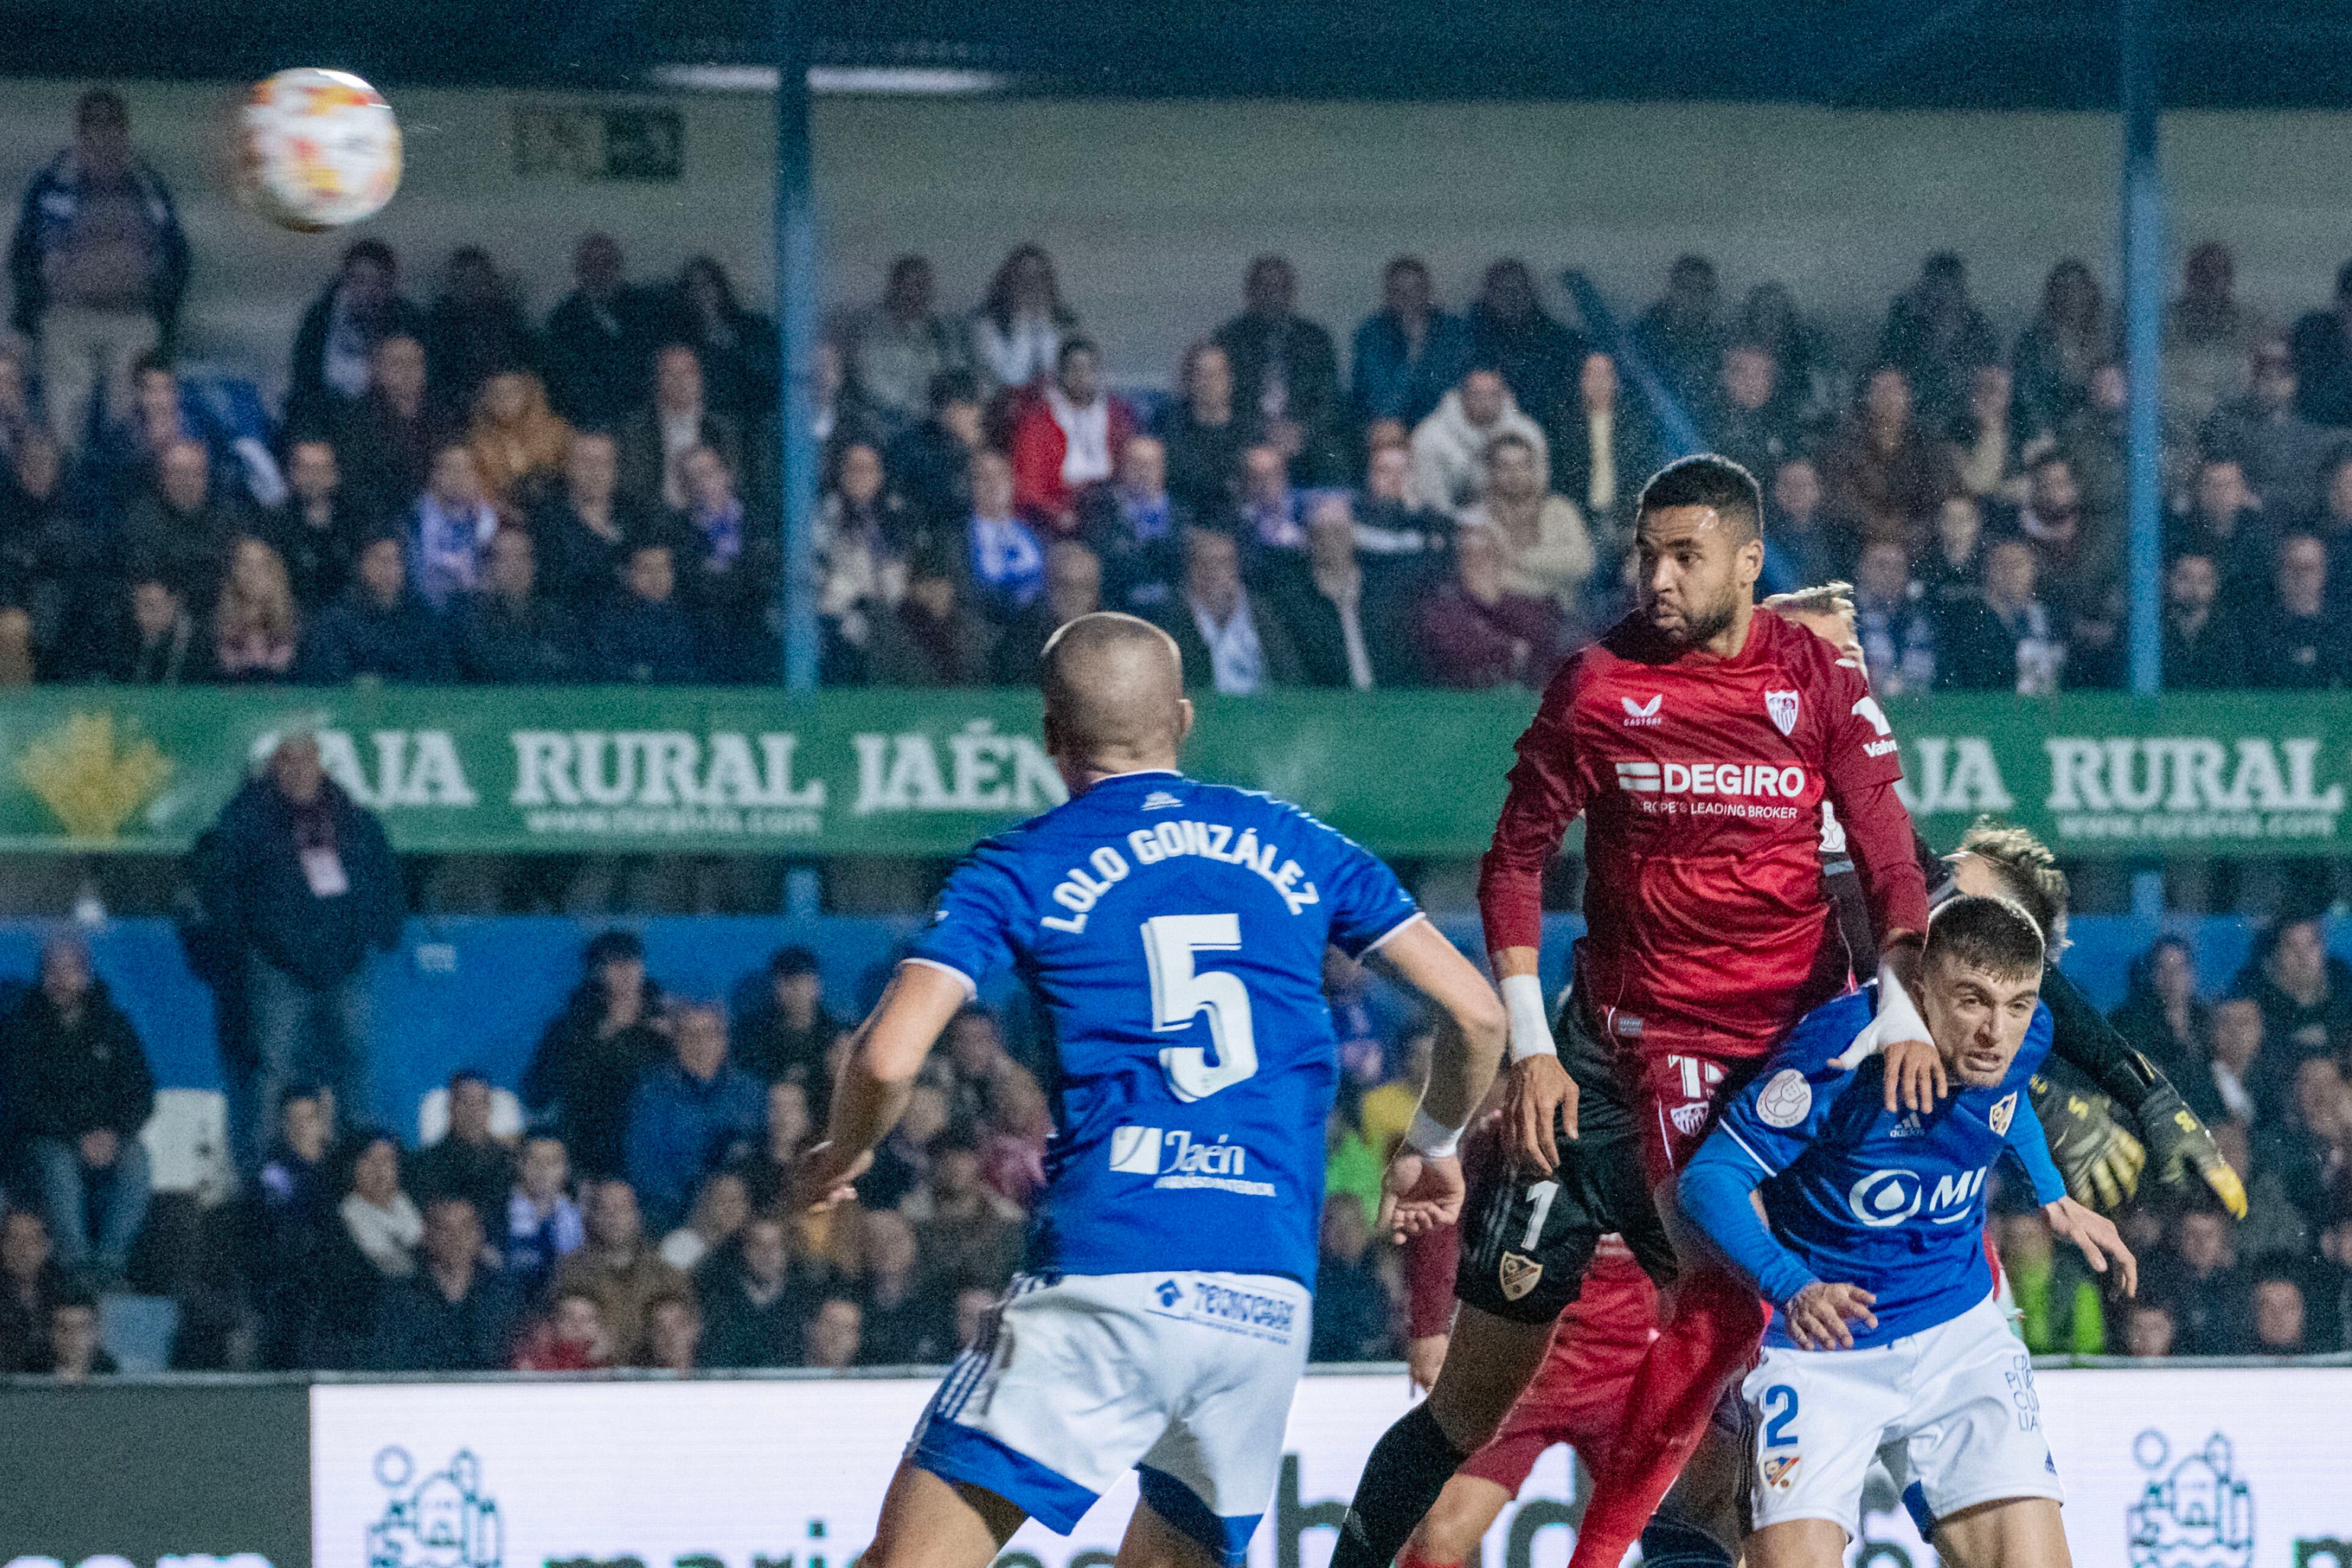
[(1180, 993)]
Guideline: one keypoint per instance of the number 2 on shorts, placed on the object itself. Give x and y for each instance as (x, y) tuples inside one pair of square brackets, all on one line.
[(1776, 1430)]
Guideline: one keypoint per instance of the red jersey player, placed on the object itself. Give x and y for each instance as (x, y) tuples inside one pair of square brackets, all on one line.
[(1698, 738)]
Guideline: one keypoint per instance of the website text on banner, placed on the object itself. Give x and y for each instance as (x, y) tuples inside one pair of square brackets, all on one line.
[(742, 771), (2171, 1468)]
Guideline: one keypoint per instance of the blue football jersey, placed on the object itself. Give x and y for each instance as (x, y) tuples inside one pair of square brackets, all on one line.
[(1893, 1203), (1174, 931)]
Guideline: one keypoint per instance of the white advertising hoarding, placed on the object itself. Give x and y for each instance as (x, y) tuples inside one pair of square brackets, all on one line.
[(2167, 1469)]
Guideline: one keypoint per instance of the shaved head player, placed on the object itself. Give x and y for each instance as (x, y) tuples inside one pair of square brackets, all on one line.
[(1175, 933), (1699, 739)]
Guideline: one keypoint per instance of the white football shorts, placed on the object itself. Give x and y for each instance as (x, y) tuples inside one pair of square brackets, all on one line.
[(1951, 1410), (1183, 1377)]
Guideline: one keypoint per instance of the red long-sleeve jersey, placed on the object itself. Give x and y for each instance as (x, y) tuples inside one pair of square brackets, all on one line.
[(1701, 780)]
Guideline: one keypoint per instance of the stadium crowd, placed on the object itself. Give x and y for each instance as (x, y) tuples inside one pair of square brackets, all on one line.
[(622, 1203), (454, 490)]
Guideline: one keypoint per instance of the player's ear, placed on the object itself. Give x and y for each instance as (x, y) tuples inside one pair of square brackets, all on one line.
[(1751, 560), (1183, 720)]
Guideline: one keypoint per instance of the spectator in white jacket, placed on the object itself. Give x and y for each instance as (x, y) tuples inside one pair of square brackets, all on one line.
[(1449, 447)]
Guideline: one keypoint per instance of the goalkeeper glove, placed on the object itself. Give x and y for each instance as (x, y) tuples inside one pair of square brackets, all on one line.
[(2093, 1150), (2179, 1142)]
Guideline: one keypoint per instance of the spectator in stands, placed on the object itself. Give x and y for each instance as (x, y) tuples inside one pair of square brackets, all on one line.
[(896, 350), (288, 1217), (928, 462), (2225, 521), (584, 532), (2238, 1085), (1272, 510), (1207, 431), (1227, 643), (1745, 419), (1449, 447), (1989, 452), (611, 1032), (467, 1161), (901, 1323), (518, 442), (316, 529), (1804, 392), (2149, 1332), (1133, 524), (99, 265), (543, 1224), (1353, 1314), (255, 624), (721, 1205), (753, 1306), (2202, 1281), (1798, 526), (2279, 1320), (783, 1036), (378, 629), (1285, 371), (1004, 557), (2201, 651), (644, 637), (1680, 334), (2207, 335), (1607, 450), (1073, 587), (182, 526), (2284, 455), (933, 638), (31, 1283), (2308, 1144), (862, 533), (335, 364), (1398, 538), (1886, 477), (307, 888), (452, 1315), (1408, 354), (616, 1267), (790, 1129), (1063, 440), (1017, 331), (474, 330), (968, 1233), (600, 339), (741, 358), (1474, 632), (2163, 1017), (1938, 338), (1953, 563), (449, 529), (385, 441), (2321, 342), (1538, 358), (374, 1241), (2305, 992), (1898, 635), (42, 541), (2071, 337), (508, 634), (1344, 639), (2031, 654), (653, 441), (2301, 643), (732, 571), (2095, 440), (689, 1117), (571, 1337), (1546, 550), (144, 638), (835, 1334), (905, 1157), (76, 1090), (77, 1349)]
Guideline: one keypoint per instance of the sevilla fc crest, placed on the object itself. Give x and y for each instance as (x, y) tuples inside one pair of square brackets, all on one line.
[(2003, 1110), (1519, 1275), (1782, 707)]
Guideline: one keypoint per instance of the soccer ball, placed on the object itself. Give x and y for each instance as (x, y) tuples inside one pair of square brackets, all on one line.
[(318, 149)]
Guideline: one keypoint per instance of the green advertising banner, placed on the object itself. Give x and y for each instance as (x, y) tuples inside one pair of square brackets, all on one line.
[(571, 770)]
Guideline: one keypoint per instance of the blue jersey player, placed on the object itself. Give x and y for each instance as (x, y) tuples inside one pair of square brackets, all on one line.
[(1175, 933), (1888, 1343)]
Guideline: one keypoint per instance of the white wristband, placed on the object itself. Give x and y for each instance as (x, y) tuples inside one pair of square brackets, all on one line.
[(1523, 1000), (1431, 1136)]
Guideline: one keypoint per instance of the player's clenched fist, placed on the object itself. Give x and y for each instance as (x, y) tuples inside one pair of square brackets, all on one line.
[(1817, 1315), (1539, 1096)]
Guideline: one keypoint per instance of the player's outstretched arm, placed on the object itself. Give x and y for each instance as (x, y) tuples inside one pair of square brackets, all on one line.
[(884, 1057), (1424, 1187), (2089, 1230)]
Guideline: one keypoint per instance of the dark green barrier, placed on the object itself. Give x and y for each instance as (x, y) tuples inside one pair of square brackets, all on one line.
[(924, 773)]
